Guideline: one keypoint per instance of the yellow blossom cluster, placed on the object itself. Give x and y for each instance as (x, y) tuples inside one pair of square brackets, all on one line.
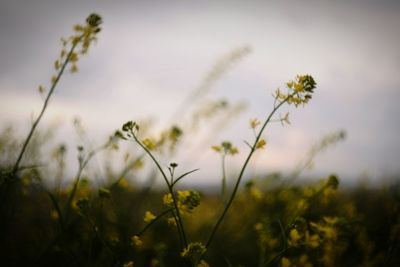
[(299, 90), (226, 148), (187, 200)]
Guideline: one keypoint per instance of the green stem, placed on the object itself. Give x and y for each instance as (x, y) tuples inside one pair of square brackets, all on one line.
[(82, 165), (235, 189), (178, 217), (46, 102), (159, 216), (223, 186)]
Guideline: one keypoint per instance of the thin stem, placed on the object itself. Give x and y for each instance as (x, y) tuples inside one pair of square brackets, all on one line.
[(46, 102), (235, 189), (159, 216), (284, 239), (58, 210), (104, 242), (223, 186), (178, 218), (82, 165), (182, 176), (280, 253), (127, 168), (152, 157)]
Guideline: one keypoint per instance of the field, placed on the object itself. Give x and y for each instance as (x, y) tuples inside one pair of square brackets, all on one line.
[(272, 220)]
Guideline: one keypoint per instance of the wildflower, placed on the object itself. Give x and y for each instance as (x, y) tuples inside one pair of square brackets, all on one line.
[(74, 68), (57, 64), (54, 215), (203, 263), (285, 262), (327, 231), (226, 148), (94, 20), (300, 90), (216, 148), (234, 151), (261, 144), (258, 227), (311, 240), (123, 183), (294, 237), (254, 123), (303, 260), (167, 199), (128, 126), (188, 200), (53, 79), (41, 89), (194, 251), (136, 241), (149, 144), (171, 221), (73, 57), (330, 220), (175, 133), (148, 216), (256, 193), (138, 164)]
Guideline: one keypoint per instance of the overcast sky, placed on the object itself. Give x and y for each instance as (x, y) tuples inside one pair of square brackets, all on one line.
[(152, 54)]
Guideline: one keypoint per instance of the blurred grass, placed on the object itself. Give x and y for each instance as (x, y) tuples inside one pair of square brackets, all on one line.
[(270, 222)]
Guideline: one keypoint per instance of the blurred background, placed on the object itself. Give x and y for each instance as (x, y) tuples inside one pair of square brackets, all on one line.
[(161, 62)]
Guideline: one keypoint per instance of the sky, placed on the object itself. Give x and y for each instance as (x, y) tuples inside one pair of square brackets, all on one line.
[(151, 55)]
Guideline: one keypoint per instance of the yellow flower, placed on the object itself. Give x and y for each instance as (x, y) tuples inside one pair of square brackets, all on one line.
[(254, 123), (57, 64), (330, 220), (226, 148), (74, 68), (41, 89), (128, 264), (327, 231), (256, 193), (312, 240), (216, 148), (54, 215), (285, 262), (149, 144), (261, 144), (203, 263), (194, 250), (234, 151), (148, 216), (171, 221), (258, 227), (167, 199), (136, 241), (294, 236), (73, 57)]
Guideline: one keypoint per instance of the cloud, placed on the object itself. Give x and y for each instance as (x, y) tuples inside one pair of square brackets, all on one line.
[(150, 56)]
